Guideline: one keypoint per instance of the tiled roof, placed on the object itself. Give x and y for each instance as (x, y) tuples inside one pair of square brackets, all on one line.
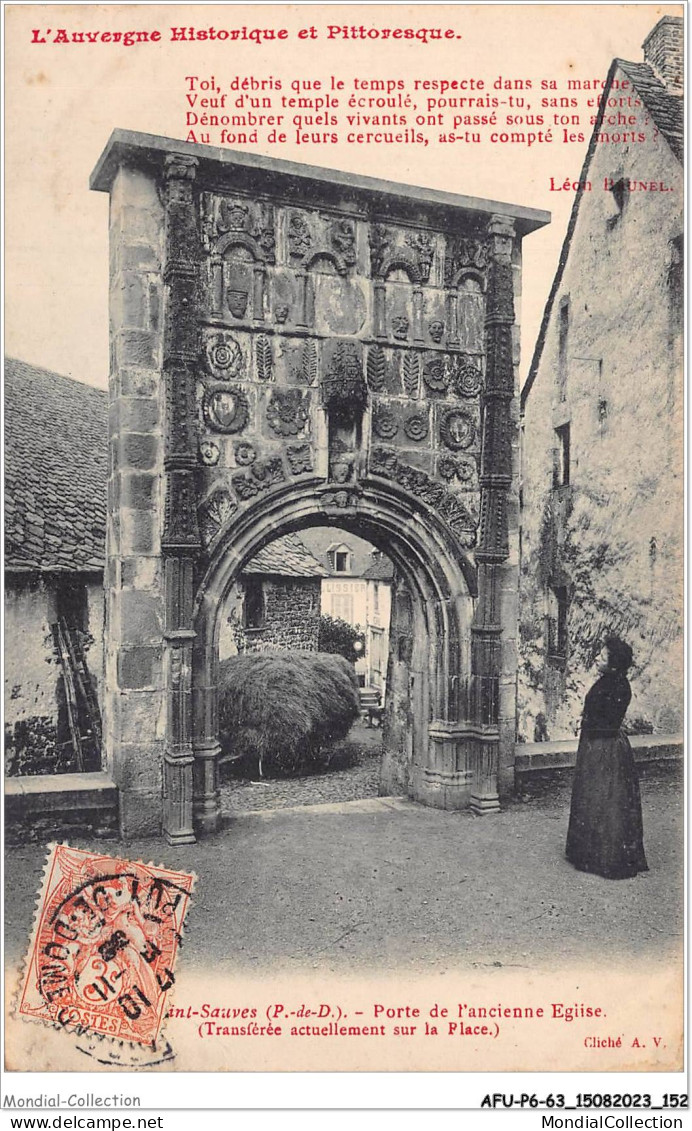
[(286, 557), (666, 109), (321, 539), (56, 443), (380, 569)]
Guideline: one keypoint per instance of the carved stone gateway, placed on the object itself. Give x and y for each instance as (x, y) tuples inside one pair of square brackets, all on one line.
[(293, 347)]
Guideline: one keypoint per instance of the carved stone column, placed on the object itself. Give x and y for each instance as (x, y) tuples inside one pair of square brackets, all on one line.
[(180, 540), (496, 480)]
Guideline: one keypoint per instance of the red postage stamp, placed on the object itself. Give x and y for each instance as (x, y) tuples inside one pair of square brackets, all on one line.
[(105, 943)]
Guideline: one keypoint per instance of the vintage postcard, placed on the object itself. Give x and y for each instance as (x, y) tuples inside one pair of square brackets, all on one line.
[(344, 540)]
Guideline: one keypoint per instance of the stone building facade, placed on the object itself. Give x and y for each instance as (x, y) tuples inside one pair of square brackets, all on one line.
[(275, 604), (55, 517), (602, 528), (358, 590), (292, 347)]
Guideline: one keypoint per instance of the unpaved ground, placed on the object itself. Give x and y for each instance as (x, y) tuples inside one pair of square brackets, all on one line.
[(384, 883), (360, 780)]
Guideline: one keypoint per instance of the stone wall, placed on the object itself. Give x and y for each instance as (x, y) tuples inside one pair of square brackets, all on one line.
[(610, 540), (37, 738), (134, 704), (291, 617), (664, 50)]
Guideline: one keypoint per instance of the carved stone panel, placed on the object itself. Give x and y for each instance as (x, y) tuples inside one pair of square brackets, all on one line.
[(288, 412), (226, 408), (224, 355)]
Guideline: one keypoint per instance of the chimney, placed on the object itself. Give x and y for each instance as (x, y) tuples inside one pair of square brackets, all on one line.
[(663, 51)]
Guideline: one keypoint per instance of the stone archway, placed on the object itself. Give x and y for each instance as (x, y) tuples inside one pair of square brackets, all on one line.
[(254, 392), (424, 751)]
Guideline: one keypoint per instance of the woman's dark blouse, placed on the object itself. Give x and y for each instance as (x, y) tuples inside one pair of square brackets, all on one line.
[(606, 704)]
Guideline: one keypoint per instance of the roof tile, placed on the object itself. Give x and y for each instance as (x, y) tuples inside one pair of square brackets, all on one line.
[(56, 442)]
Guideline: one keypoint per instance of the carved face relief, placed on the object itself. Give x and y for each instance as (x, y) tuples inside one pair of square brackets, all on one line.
[(237, 302), (340, 468), (233, 216), (281, 312), (226, 410), (436, 330), (299, 459), (457, 430), (400, 327)]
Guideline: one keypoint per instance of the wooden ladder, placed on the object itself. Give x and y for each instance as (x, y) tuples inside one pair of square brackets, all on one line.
[(78, 684)]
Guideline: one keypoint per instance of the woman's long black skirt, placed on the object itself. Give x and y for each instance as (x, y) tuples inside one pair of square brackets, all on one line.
[(605, 832)]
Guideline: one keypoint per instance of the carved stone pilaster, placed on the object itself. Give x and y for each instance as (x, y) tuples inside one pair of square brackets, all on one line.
[(496, 469), (180, 538), (495, 480)]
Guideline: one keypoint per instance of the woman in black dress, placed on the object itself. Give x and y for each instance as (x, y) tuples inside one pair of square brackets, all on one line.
[(605, 833)]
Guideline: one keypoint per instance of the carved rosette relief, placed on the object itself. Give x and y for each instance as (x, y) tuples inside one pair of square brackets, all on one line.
[(462, 468), (288, 411), (467, 380), (244, 453), (209, 453), (224, 357), (416, 427), (384, 423), (437, 374)]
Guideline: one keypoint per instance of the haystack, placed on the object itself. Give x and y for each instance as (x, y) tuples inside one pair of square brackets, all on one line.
[(283, 708)]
